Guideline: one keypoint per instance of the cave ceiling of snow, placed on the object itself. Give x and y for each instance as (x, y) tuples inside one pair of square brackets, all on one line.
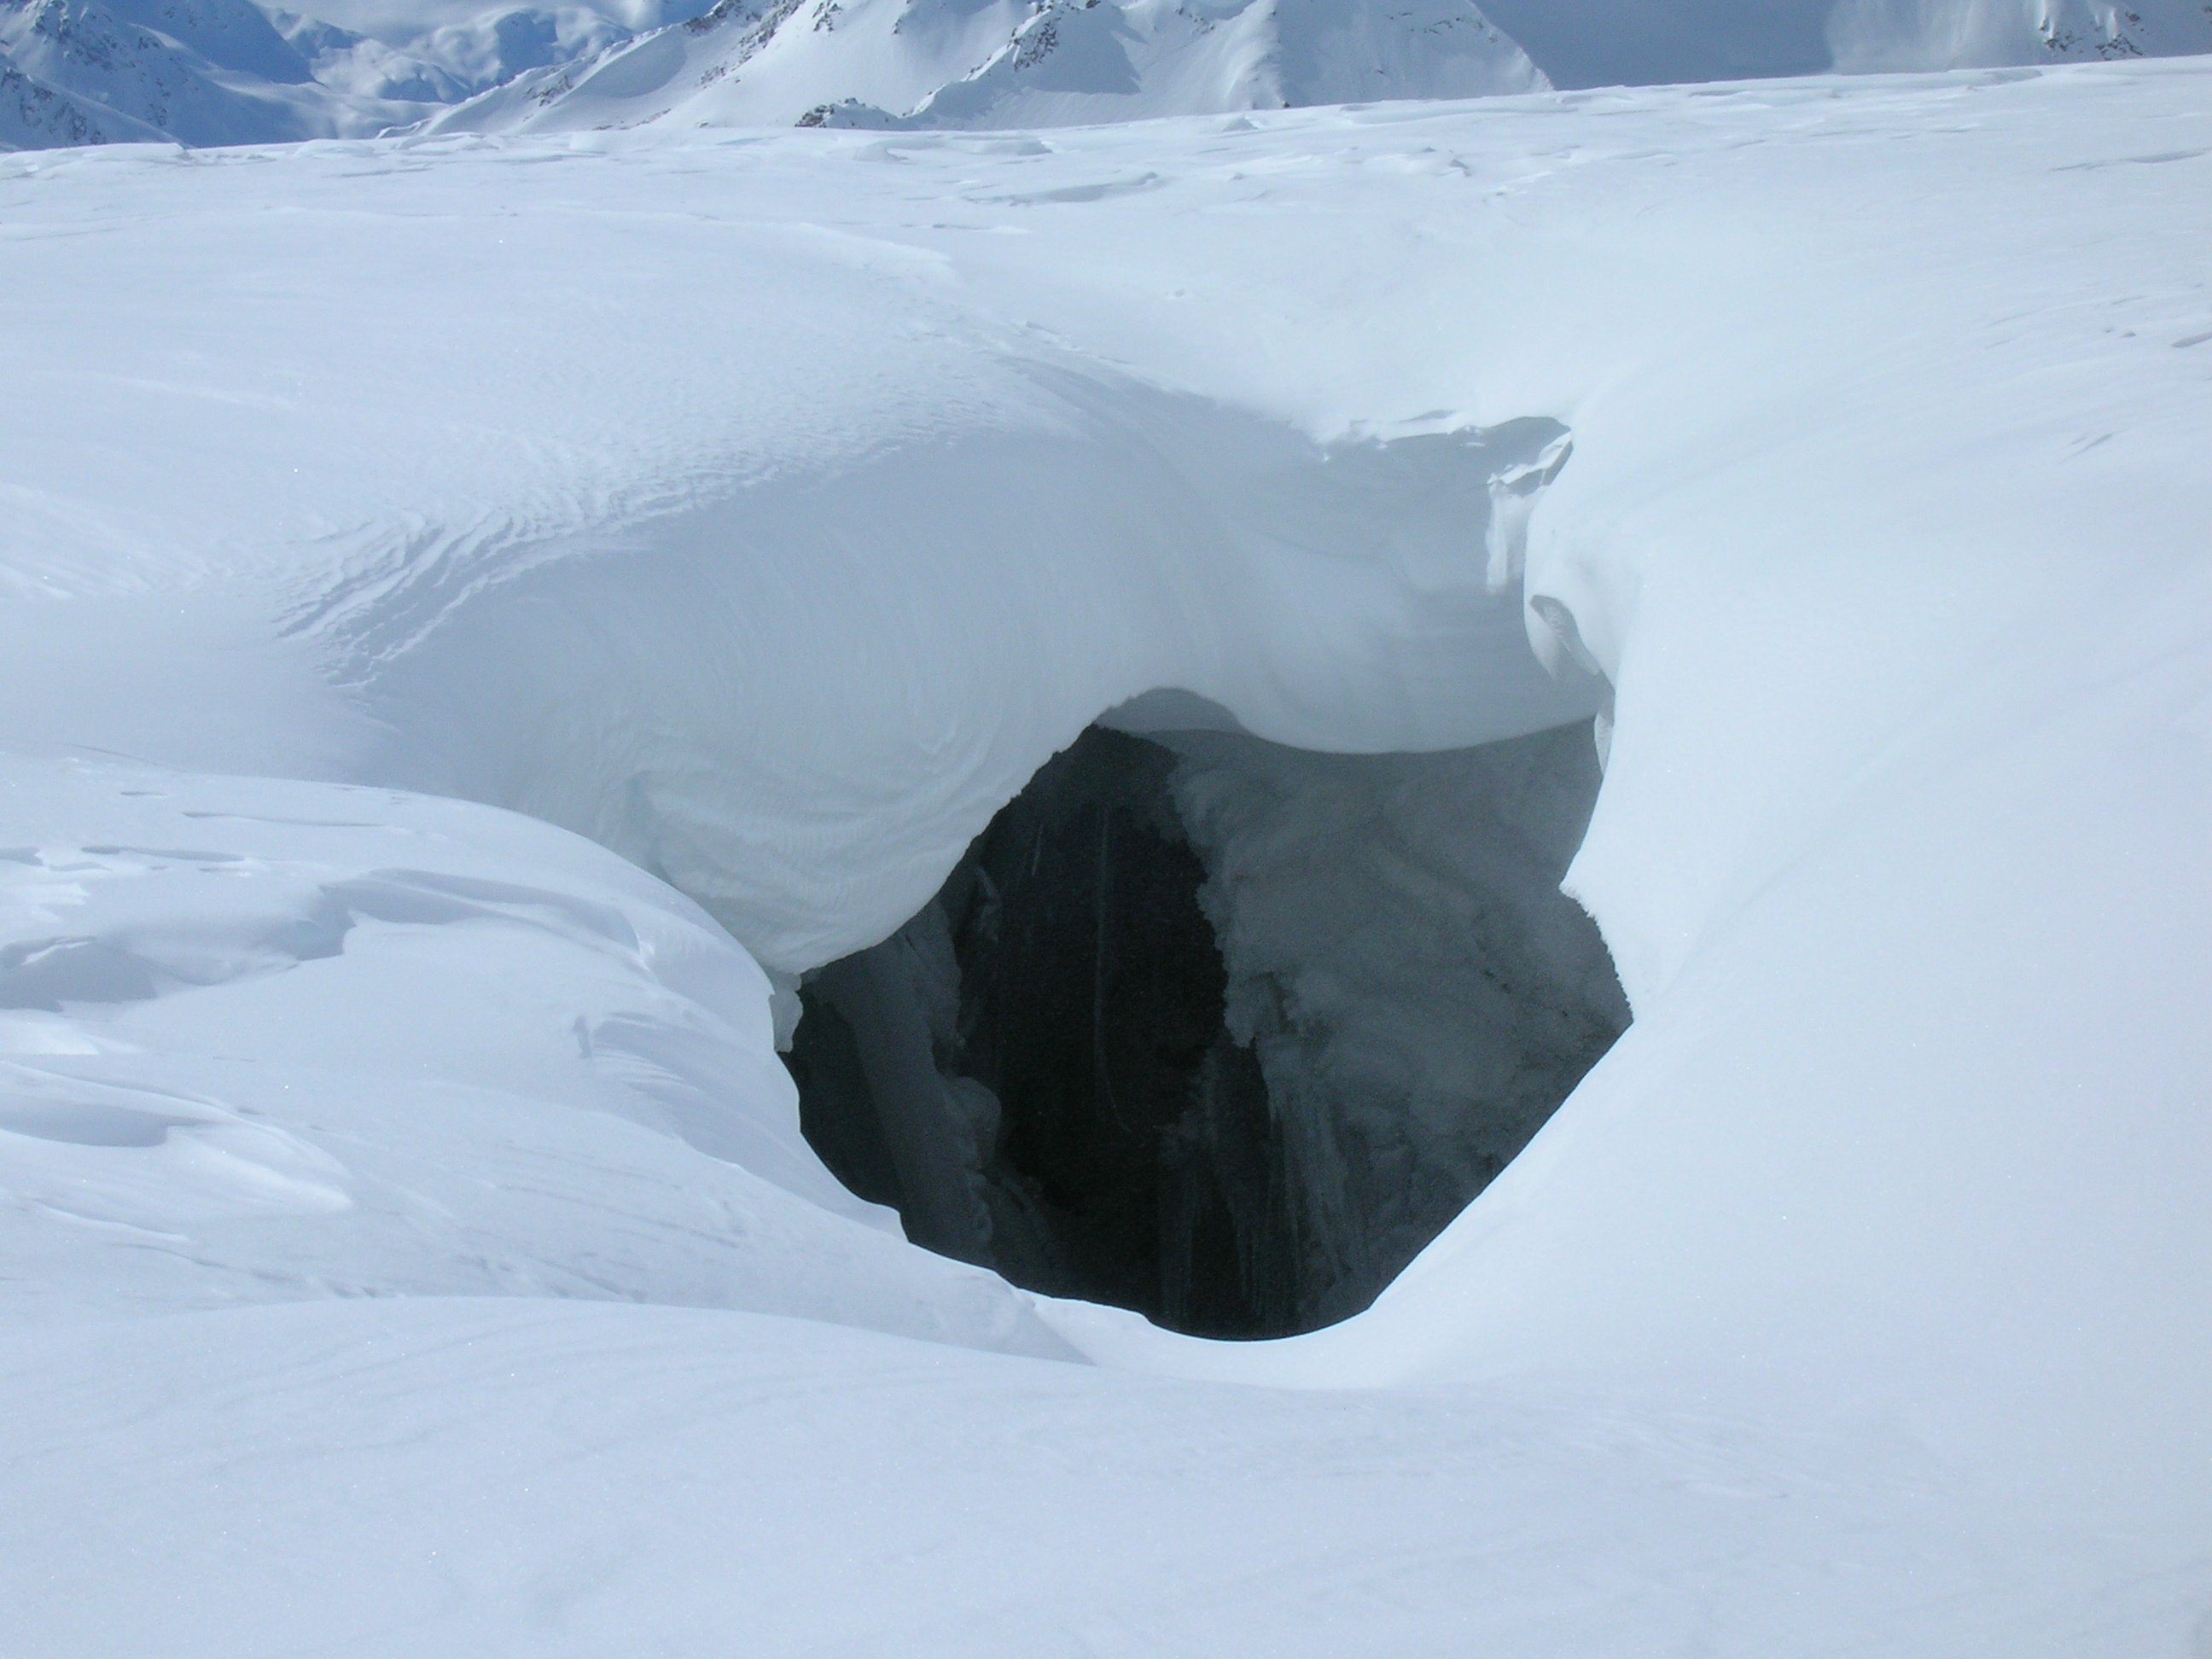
[(1555, 751)]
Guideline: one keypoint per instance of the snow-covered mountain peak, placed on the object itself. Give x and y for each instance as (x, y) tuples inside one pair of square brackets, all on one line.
[(1076, 60), (958, 63), (199, 72), (207, 72), (233, 71)]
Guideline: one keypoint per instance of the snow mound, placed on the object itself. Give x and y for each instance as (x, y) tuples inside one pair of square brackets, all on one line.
[(267, 1041)]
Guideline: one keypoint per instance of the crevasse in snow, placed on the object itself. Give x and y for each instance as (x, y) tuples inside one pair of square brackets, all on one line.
[(1218, 1029)]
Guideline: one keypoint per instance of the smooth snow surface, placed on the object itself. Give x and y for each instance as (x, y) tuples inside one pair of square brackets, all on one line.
[(408, 1246), (272, 1041)]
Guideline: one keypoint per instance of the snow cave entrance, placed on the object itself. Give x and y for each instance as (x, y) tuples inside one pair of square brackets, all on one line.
[(1219, 1031)]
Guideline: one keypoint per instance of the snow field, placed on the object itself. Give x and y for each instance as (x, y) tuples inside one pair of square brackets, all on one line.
[(767, 509)]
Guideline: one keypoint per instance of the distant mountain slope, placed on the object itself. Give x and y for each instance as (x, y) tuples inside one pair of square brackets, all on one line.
[(228, 72), (34, 115), (1586, 43), (1589, 43), (1090, 62), (438, 51), (1922, 34), (1004, 63), (199, 72), (207, 72)]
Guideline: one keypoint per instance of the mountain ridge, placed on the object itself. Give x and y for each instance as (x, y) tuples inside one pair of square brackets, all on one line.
[(215, 72)]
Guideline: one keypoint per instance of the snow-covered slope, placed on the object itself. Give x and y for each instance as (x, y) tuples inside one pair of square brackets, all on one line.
[(223, 71), (1008, 62), (1590, 43), (227, 71), (1921, 34), (199, 72), (1594, 43), (767, 508), (885, 63), (35, 115), (187, 1126), (437, 52), (207, 72)]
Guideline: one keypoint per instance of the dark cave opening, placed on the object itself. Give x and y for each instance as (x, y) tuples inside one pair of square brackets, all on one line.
[(1052, 1070)]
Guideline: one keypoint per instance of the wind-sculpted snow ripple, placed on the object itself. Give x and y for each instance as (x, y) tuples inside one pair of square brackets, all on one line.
[(946, 616)]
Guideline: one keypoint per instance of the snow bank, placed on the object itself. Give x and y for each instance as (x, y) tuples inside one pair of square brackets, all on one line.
[(270, 1041), (1084, 540)]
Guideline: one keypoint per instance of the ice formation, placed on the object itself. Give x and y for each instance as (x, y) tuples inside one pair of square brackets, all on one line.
[(1220, 1030)]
